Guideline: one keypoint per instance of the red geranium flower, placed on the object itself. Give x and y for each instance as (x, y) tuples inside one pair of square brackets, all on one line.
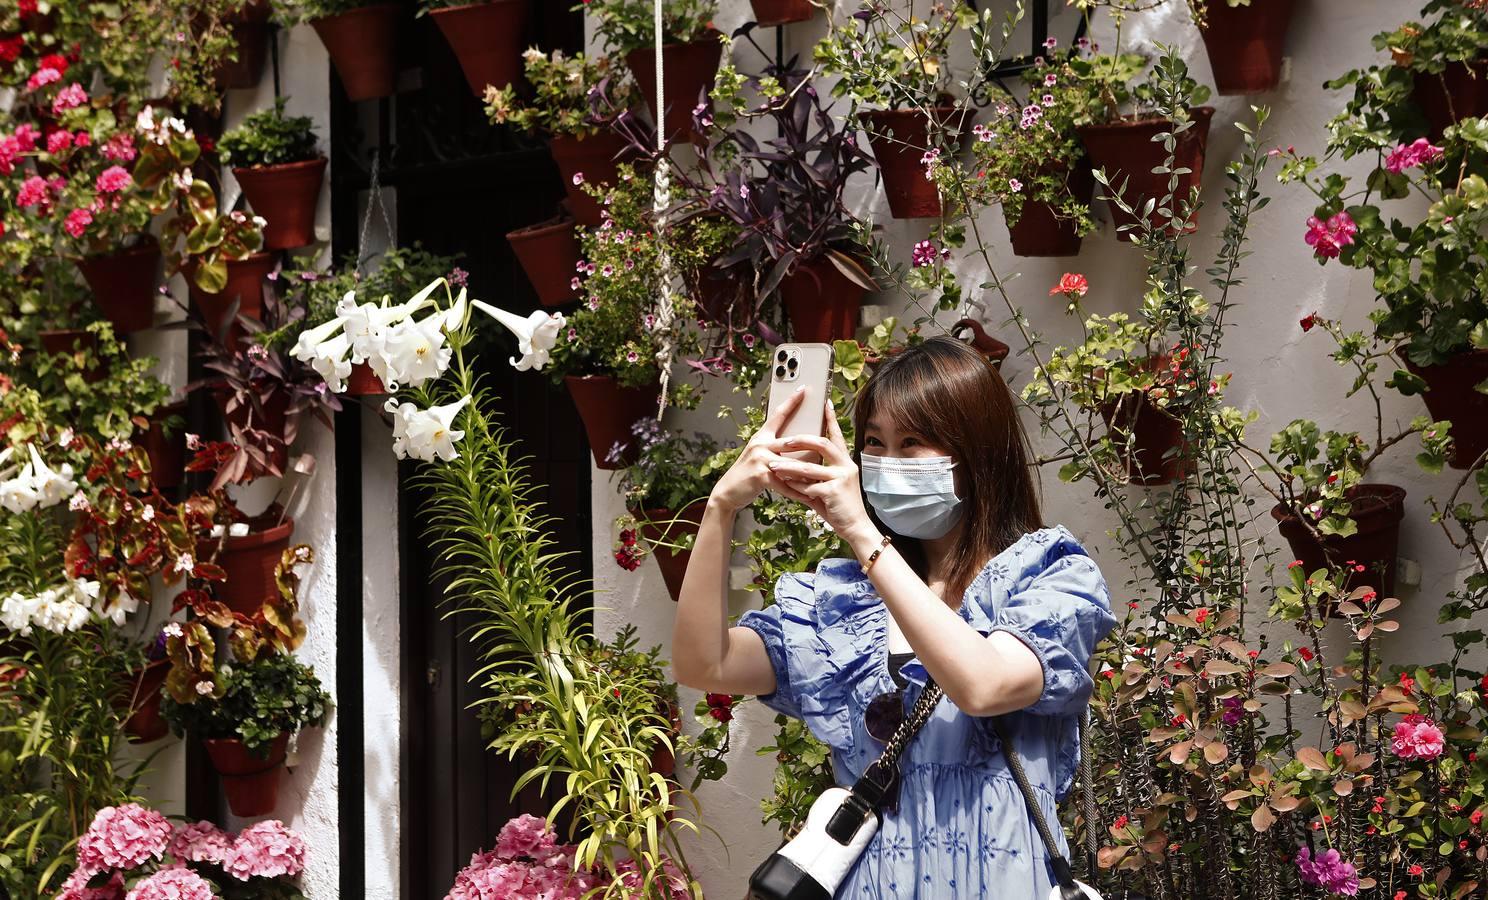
[(1071, 285)]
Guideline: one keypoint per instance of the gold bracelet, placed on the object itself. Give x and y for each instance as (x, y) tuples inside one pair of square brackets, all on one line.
[(873, 557)]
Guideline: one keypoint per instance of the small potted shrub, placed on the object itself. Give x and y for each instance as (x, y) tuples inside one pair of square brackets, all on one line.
[(1123, 144), (275, 159), (691, 49), (898, 66), (1245, 40), (361, 38), (1420, 257), (787, 197), (586, 150), (486, 36), (1030, 161), (665, 491), (246, 711)]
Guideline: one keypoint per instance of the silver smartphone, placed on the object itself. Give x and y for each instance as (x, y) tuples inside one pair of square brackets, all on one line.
[(794, 365)]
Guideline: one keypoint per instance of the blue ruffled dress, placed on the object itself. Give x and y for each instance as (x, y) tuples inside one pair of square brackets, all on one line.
[(962, 829)]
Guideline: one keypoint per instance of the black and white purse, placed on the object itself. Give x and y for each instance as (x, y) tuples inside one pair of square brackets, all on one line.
[(841, 823)]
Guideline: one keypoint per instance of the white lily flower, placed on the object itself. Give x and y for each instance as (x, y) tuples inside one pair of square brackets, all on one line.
[(413, 353), (454, 317), (16, 612), (310, 339), (536, 334), (426, 433), (331, 364), (19, 494), (51, 486), (6, 454), (119, 609)]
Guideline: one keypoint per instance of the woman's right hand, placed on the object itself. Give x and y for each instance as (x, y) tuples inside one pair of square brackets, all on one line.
[(750, 475)]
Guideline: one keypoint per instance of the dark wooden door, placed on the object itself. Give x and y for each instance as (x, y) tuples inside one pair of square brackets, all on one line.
[(461, 184)]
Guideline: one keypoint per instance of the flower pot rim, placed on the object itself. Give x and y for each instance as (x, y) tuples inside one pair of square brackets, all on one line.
[(259, 538), (712, 39), (1389, 496), (147, 243), (545, 227), (464, 7), (358, 12), (1133, 120), (319, 160), (1460, 357)]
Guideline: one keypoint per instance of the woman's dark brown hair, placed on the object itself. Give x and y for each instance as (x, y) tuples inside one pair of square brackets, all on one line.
[(950, 395)]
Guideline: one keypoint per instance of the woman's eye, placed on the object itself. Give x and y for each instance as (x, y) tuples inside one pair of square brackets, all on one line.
[(871, 442), (911, 442)]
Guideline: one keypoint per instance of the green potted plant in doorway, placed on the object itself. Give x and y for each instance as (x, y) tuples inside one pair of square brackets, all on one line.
[(277, 162)]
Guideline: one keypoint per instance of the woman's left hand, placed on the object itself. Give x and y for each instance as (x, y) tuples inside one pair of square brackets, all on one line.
[(831, 488)]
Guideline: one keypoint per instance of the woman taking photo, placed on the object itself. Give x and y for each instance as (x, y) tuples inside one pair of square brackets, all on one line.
[(954, 575)]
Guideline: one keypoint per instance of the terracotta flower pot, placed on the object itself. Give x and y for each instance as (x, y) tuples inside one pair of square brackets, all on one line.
[(821, 302), (249, 562), (362, 45), (656, 525), (1126, 151), (63, 341), (167, 454), (690, 69), (123, 284), (286, 195), (664, 761), (992, 349), (487, 40), (1154, 434), (141, 693), (250, 31), (608, 410), (1040, 232), (549, 253), (596, 158), (1245, 44), (900, 138), (1450, 395), (363, 382), (781, 12), (1459, 92), (250, 782), (245, 278), (1377, 510)]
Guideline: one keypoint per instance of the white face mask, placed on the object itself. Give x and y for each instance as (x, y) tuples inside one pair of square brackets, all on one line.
[(913, 496)]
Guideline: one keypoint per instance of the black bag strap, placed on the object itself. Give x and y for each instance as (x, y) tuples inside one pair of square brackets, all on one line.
[(1068, 890), (873, 784)]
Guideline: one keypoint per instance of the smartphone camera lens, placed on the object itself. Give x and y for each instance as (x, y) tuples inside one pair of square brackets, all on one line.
[(780, 371), (793, 363), (781, 356)]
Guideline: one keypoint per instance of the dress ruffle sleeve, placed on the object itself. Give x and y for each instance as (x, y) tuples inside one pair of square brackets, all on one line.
[(791, 612)]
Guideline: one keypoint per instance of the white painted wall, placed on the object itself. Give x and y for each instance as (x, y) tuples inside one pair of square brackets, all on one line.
[(1278, 372)]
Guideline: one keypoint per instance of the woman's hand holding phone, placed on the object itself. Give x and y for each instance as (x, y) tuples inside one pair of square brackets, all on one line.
[(751, 474), (830, 489)]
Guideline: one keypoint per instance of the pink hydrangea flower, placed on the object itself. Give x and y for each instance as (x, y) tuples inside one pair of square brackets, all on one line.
[(172, 884), (266, 850), (1420, 152), (76, 887), (33, 192), (70, 97), (1328, 238), (114, 179), (1329, 871), (200, 841), (77, 222), (1417, 737), (123, 837), (526, 835)]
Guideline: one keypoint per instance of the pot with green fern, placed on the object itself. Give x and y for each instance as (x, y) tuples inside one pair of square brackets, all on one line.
[(486, 37), (563, 107), (277, 163)]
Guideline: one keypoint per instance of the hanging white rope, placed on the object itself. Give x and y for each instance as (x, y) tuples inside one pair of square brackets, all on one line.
[(661, 201)]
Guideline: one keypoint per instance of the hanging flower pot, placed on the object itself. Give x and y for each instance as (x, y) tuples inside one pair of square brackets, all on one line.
[(782, 12), (1245, 44), (608, 410), (1450, 395), (992, 349), (487, 40), (245, 278), (250, 782), (250, 31), (690, 70), (821, 302), (1126, 151), (1376, 510), (363, 382), (900, 139), (1458, 92), (63, 341), (249, 561), (167, 454), (286, 195), (593, 159), (123, 284), (362, 44), (1155, 435), (1041, 232), (657, 526), (549, 253), (141, 693)]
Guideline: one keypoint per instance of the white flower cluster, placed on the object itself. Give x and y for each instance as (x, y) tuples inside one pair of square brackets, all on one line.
[(57, 610), (35, 484)]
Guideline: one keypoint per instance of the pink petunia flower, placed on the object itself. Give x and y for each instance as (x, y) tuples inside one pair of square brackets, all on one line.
[(1417, 737)]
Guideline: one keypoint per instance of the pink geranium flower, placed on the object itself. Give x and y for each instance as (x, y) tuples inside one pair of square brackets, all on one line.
[(42, 78), (266, 850), (1328, 238), (58, 141), (123, 837), (120, 148), (70, 97), (1417, 737), (77, 222), (114, 179), (33, 192), (1420, 152)]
